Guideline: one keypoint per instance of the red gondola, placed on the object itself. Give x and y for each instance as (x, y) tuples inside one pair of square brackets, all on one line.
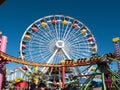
[(90, 39), (54, 21), (34, 29), (75, 25), (23, 46)]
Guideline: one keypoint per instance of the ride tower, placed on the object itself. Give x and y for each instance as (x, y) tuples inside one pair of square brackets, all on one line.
[(3, 43), (116, 41)]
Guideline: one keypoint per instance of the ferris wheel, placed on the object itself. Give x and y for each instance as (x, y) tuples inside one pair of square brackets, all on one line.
[(57, 37)]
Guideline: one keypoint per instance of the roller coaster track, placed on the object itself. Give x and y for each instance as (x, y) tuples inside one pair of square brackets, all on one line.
[(7, 57)]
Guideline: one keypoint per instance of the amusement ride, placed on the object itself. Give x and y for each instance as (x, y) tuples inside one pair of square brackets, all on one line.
[(63, 50)]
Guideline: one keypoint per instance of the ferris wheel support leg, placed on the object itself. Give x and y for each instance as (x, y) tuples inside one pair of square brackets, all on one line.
[(73, 68), (49, 61), (63, 76)]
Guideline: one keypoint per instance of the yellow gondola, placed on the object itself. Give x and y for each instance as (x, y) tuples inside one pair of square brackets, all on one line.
[(44, 24), (83, 31), (93, 48), (27, 37), (64, 22)]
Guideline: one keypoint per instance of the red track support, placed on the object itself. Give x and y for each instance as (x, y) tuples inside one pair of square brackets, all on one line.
[(63, 76)]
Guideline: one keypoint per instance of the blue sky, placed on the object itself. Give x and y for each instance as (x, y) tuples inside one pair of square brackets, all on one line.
[(102, 17)]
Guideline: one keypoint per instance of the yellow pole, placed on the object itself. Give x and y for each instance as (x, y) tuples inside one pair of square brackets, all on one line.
[(36, 75)]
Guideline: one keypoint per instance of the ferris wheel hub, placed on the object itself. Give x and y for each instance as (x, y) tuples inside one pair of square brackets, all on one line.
[(60, 44)]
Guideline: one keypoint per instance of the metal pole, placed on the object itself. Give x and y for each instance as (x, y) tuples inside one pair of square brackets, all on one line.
[(103, 82)]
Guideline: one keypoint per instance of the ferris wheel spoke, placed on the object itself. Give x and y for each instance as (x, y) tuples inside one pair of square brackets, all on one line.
[(77, 34), (82, 47), (73, 35), (35, 48), (59, 29), (77, 37), (85, 51), (45, 32), (78, 43), (77, 50), (66, 35), (65, 31), (38, 42), (50, 34), (45, 58), (38, 60), (71, 30), (77, 56), (86, 55), (35, 51), (56, 31), (82, 54), (79, 46), (77, 40), (41, 37), (62, 31), (52, 28), (45, 35)]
